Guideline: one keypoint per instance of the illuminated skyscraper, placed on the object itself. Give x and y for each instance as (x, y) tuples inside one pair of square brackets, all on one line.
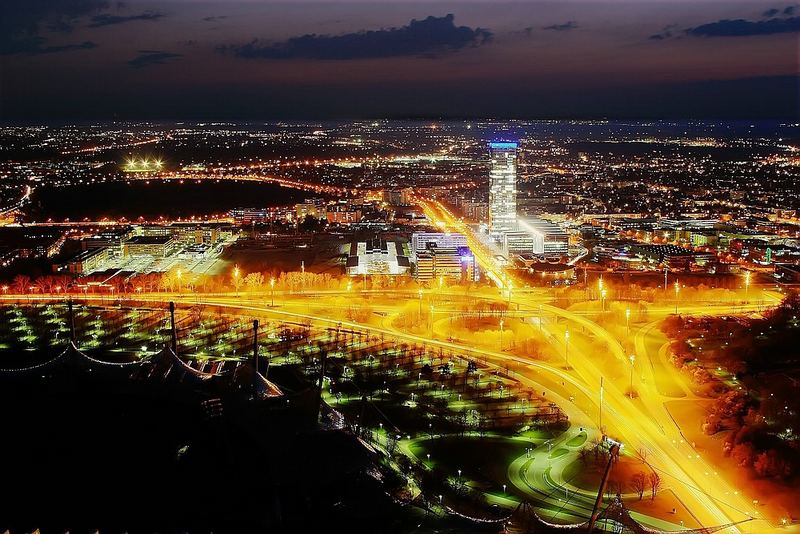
[(503, 188)]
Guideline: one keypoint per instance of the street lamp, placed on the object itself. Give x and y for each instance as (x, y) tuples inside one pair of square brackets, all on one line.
[(566, 348), (677, 290), (501, 335), (603, 294), (178, 274), (236, 278), (628, 320), (272, 289), (419, 292), (632, 358), (746, 282)]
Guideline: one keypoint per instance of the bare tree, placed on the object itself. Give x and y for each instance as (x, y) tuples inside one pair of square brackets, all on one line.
[(655, 484), (639, 483)]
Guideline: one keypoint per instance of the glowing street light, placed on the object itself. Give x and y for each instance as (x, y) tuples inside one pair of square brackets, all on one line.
[(178, 274), (746, 282), (501, 334), (272, 289), (603, 294), (236, 278), (419, 292), (566, 348), (677, 290), (628, 320)]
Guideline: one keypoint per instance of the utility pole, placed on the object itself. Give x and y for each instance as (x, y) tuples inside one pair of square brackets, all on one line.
[(601, 405), (71, 314), (172, 326), (255, 344)]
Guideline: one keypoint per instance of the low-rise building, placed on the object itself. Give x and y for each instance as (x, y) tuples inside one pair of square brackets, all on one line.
[(377, 256), (452, 263), (159, 246), (89, 260)]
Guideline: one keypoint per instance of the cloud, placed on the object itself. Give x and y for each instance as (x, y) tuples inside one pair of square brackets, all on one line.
[(743, 28), (147, 58), (770, 12), (665, 33), (23, 20), (425, 37), (569, 25), (215, 18), (106, 19), (790, 10)]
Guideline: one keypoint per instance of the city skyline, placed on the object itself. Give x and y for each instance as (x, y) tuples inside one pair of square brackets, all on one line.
[(464, 266)]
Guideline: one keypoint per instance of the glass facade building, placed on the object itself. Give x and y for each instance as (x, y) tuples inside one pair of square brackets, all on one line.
[(503, 188)]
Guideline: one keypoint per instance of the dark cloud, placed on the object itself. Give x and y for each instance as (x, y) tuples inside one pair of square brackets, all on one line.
[(665, 33), (106, 19), (771, 12), (21, 22), (425, 37), (569, 25), (215, 18), (790, 10), (152, 57), (743, 28)]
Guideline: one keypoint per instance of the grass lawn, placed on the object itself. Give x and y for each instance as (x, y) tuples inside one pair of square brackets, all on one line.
[(578, 440), (483, 461)]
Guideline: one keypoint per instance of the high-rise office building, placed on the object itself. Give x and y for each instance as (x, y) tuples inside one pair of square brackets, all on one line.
[(503, 188)]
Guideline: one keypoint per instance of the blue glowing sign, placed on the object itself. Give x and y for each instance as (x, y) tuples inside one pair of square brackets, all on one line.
[(502, 144)]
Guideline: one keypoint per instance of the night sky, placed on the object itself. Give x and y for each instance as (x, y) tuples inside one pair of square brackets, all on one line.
[(187, 59)]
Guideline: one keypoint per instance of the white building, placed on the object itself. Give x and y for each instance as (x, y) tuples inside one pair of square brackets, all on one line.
[(421, 241), (503, 188), (548, 238), (377, 256)]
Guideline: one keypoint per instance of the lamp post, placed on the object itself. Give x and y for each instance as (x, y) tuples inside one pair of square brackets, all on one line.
[(566, 348), (601, 404), (628, 320), (178, 275), (419, 292), (603, 294), (632, 358), (272, 289), (746, 282), (677, 290), (540, 317), (236, 278), (501, 335)]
